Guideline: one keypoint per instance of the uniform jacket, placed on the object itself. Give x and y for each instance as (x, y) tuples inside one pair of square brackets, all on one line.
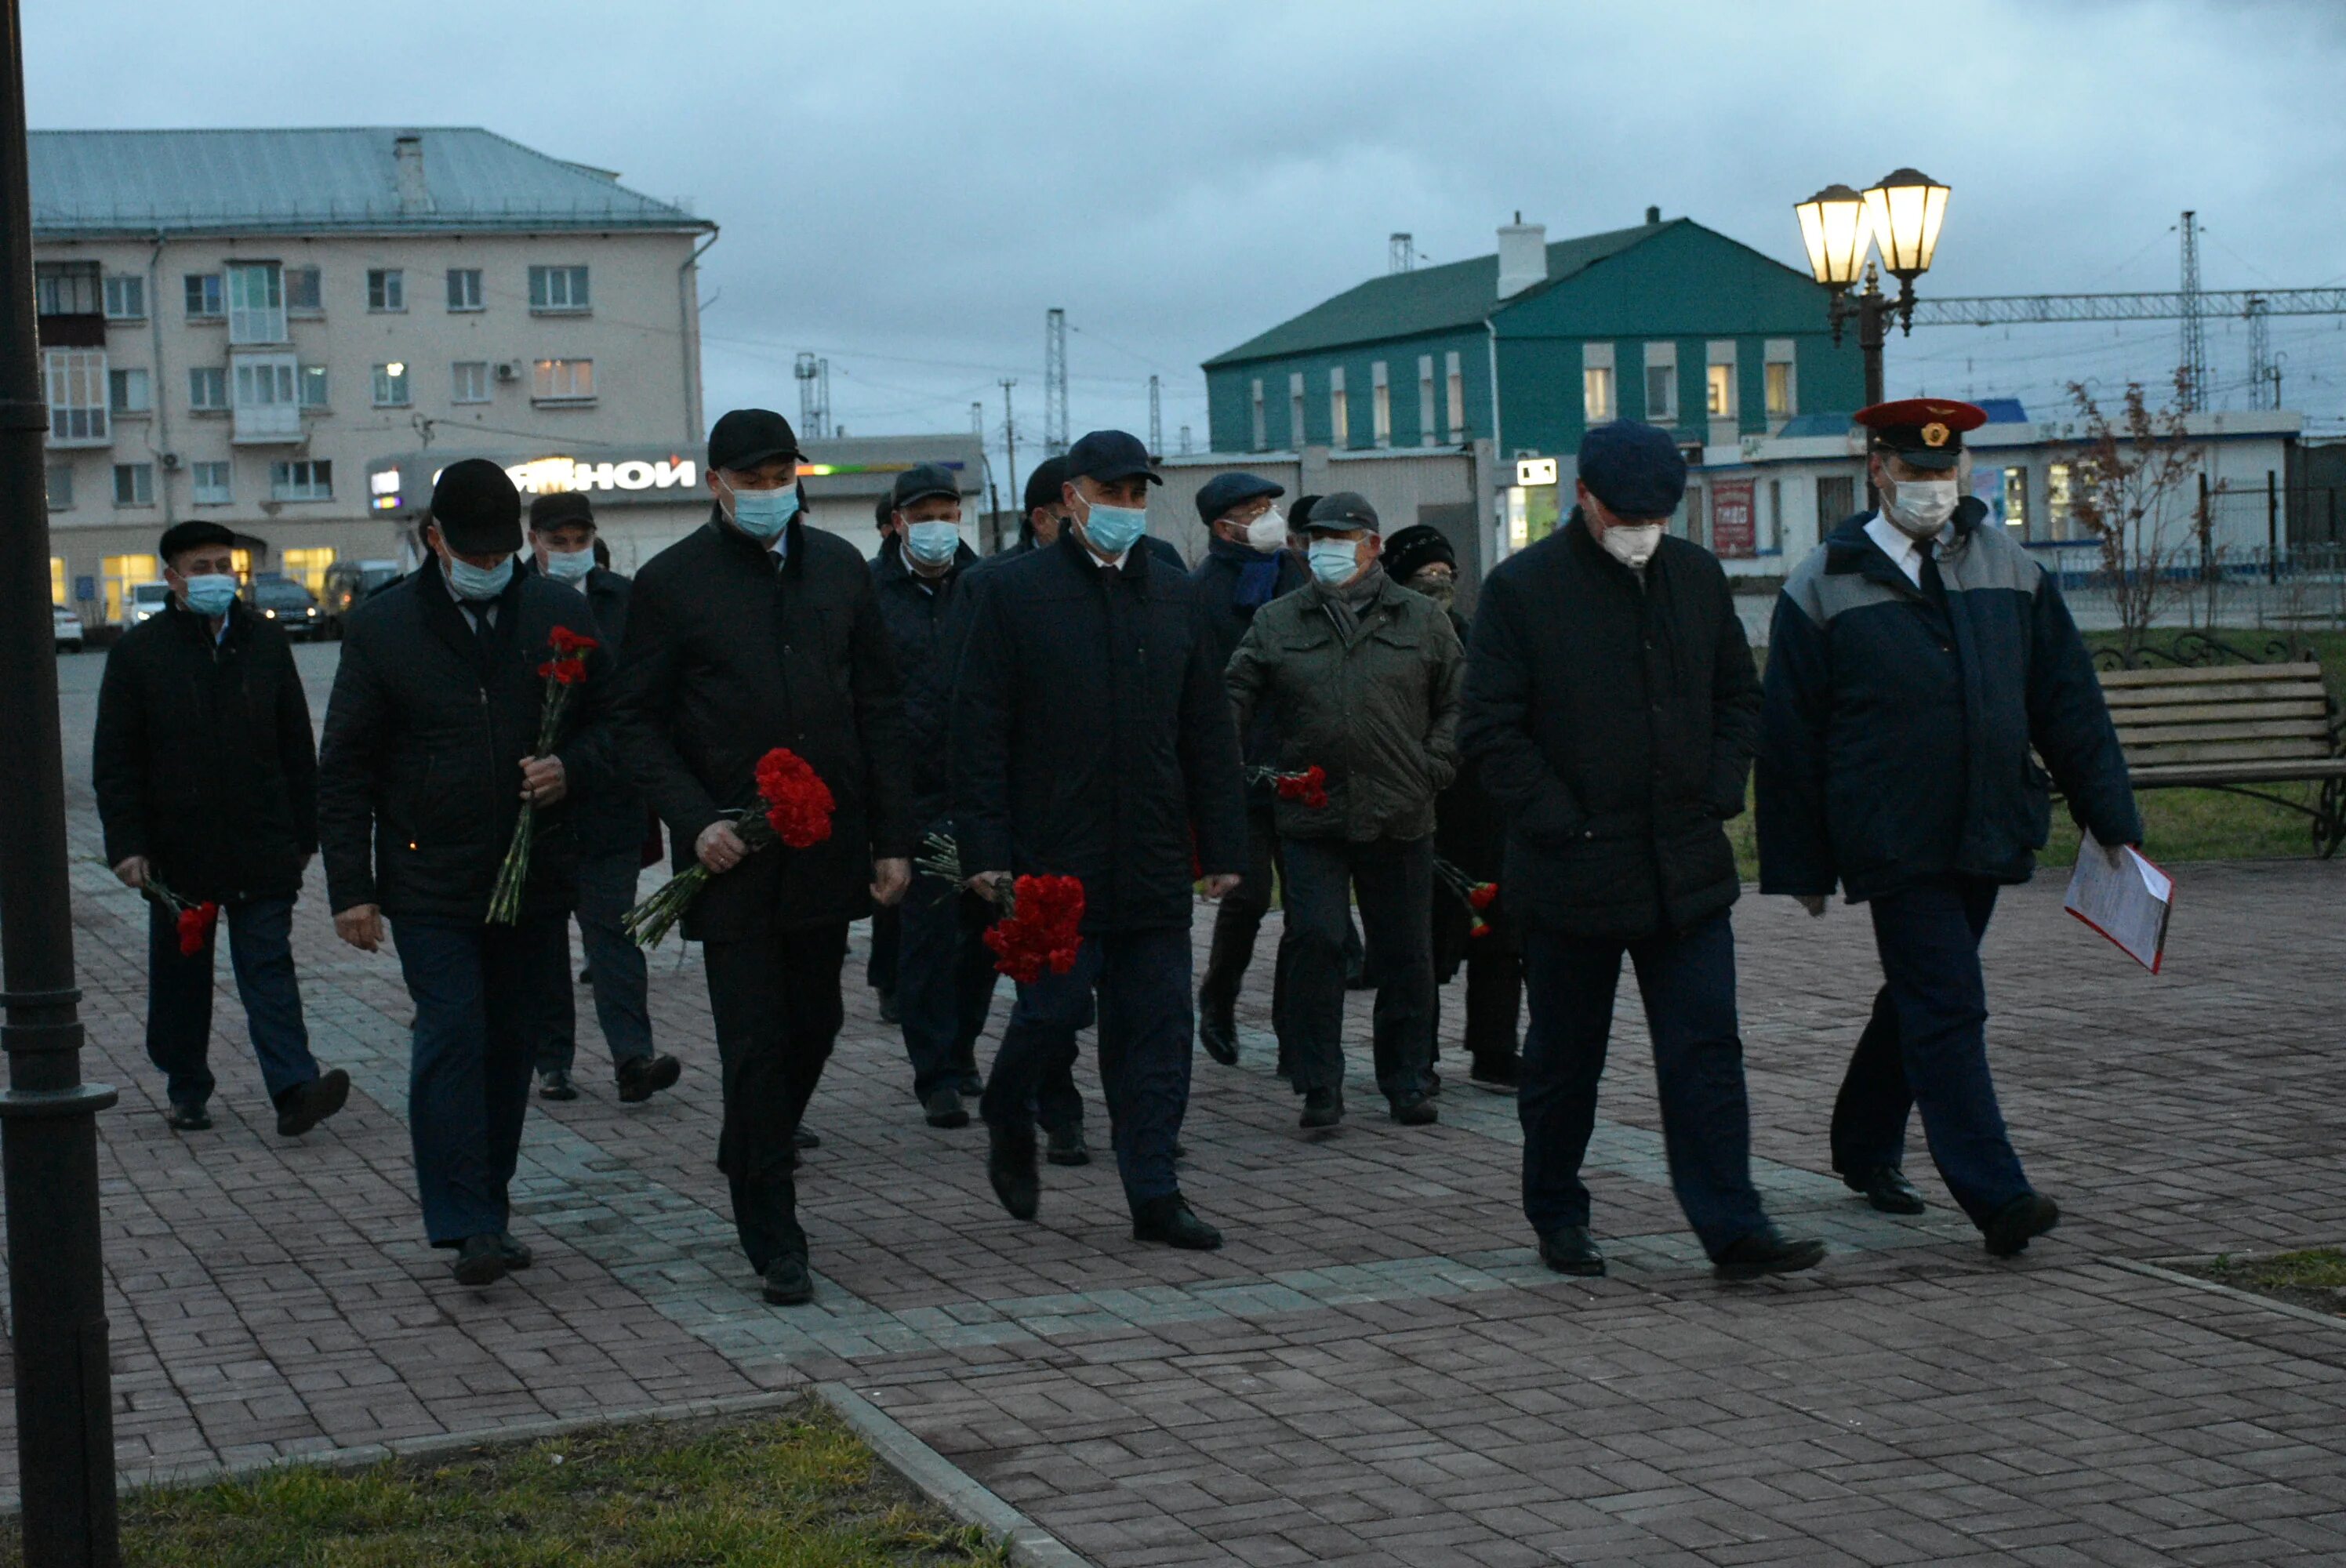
[(1376, 710), (1897, 736), (1217, 577), (203, 760), (917, 611), (419, 776), (1091, 734), (1613, 725), (725, 659)]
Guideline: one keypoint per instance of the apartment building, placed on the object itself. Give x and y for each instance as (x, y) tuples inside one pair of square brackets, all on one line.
[(247, 324)]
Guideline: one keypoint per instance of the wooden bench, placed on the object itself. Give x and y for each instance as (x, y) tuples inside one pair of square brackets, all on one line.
[(2231, 726)]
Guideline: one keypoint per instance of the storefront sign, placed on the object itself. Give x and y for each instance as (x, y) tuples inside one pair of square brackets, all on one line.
[(1734, 533)]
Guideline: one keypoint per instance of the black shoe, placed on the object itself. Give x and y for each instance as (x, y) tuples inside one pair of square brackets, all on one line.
[(479, 1261), (971, 1084), (515, 1255), (307, 1104), (887, 1015), (1066, 1147), (554, 1083), (1502, 1073), (944, 1107), (641, 1077), (1768, 1251), (2009, 1229), (586, 977), (1572, 1250), (1010, 1167), (1887, 1189), (1168, 1219), (1415, 1111), (803, 1139), (1322, 1108), (1433, 1083), (1218, 1032), (788, 1284), (187, 1117)]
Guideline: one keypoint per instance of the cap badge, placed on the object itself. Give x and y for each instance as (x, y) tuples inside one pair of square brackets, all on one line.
[(1934, 434)]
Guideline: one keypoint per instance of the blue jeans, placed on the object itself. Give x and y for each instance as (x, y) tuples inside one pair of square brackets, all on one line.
[(1688, 981), (476, 989), (1142, 978), (606, 889), (179, 1000), (944, 981), (1926, 1045), (1395, 879)]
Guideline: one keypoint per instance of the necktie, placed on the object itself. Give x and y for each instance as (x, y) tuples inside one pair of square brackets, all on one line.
[(1934, 587), (483, 631)]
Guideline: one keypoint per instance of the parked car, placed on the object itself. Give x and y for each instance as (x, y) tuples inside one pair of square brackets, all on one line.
[(68, 627), (349, 585), (281, 599), (146, 599)]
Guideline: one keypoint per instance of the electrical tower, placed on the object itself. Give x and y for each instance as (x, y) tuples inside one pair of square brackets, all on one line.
[(2194, 363), (1400, 254), (1055, 383), (1155, 422), (814, 396), (1010, 437), (2260, 369)]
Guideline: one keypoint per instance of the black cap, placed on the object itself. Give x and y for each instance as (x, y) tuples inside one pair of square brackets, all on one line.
[(1225, 492), (921, 481), (1926, 431), (1043, 484), (1343, 511), (477, 508), (558, 509), (750, 436), (1300, 513), (193, 535), (1418, 546), (884, 509), (1636, 469), (1105, 456)]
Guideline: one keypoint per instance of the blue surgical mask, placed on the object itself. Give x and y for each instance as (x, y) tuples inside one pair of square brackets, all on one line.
[(1333, 561), (763, 514), (476, 584), (1113, 530), (569, 565), (932, 544), (211, 595)]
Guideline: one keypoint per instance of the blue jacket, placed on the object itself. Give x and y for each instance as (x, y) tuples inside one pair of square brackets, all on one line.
[(1895, 739)]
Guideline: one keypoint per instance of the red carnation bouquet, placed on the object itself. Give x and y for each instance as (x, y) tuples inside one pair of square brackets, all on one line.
[(1308, 788), (566, 668), (1475, 895), (1042, 917), (797, 806), (195, 921)]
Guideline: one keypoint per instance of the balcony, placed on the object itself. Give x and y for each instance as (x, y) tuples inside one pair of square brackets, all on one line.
[(267, 424)]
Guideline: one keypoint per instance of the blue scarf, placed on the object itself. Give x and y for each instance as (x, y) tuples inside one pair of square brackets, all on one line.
[(1258, 574)]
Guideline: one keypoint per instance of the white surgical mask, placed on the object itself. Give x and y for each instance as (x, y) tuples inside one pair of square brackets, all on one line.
[(933, 544), (569, 565), (1920, 507), (1334, 561), (1632, 546), (1267, 534)]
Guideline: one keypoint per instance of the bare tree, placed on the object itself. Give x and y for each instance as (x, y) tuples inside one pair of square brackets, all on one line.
[(2127, 482)]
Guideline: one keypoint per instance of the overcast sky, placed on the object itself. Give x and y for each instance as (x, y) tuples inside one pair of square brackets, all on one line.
[(907, 187)]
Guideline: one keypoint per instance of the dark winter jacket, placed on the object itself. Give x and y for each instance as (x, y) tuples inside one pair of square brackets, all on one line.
[(1374, 707), (1897, 736), (1091, 734), (1217, 577), (614, 819), (1470, 830), (1613, 724), (419, 776), (726, 659), (203, 760), (917, 611)]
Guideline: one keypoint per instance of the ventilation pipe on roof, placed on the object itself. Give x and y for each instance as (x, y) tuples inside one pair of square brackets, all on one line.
[(1522, 256), (1652, 215), (407, 165)]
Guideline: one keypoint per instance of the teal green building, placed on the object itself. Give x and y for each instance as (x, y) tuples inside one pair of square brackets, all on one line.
[(1666, 321)]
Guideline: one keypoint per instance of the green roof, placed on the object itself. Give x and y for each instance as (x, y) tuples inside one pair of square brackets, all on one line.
[(1448, 297)]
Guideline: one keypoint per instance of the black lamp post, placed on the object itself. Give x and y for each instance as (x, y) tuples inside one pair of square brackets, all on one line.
[(48, 1116)]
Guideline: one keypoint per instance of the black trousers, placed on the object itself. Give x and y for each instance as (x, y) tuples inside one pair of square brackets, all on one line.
[(1395, 879), (887, 949), (775, 999), (945, 981), (1494, 962), (1239, 918)]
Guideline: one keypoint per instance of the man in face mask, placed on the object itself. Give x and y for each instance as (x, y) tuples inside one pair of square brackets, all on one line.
[(1611, 704), (1246, 566), (754, 633), (888, 920), (1918, 656), (431, 750), (611, 826), (207, 785)]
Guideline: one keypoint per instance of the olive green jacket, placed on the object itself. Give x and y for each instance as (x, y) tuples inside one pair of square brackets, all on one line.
[(1377, 710)]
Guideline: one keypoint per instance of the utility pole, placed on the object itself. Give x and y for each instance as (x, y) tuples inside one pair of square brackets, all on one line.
[(1010, 439), (2259, 353), (993, 495), (1155, 422), (48, 1116), (2194, 366), (1056, 435)]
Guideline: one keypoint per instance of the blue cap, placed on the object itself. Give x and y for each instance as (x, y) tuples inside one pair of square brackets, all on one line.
[(1637, 470), (1224, 492), (1105, 456)]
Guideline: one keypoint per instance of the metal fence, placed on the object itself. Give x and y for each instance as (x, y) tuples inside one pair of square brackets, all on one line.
[(2297, 587)]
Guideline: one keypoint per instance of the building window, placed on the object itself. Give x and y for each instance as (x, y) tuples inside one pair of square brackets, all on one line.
[(265, 408), (214, 483), (557, 289), (2057, 499), (256, 302), (308, 479), (386, 289), (391, 385), (472, 381), (1457, 397), (2015, 499), (1782, 383), (1296, 421), (66, 288), (207, 388), (1340, 411), (1599, 398), (56, 579), (130, 392), (206, 302), (305, 293), (1719, 390), (1261, 435), (134, 484), (77, 387), (60, 477), (563, 380), (1836, 500), (308, 567), (464, 289), (1425, 400), (1662, 383), (126, 298), (313, 386), (1380, 406), (120, 574)]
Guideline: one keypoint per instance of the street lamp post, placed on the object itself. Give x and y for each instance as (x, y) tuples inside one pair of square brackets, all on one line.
[(48, 1116), (1839, 227)]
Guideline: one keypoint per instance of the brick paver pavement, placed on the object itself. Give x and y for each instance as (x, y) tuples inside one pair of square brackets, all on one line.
[(1375, 1370)]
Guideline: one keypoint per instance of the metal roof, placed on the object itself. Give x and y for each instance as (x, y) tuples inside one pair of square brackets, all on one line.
[(95, 184), (1455, 295)]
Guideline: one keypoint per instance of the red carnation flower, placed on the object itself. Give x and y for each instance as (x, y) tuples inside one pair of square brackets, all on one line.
[(565, 641), (1309, 786), (195, 927), (1480, 895), (799, 804), (1043, 930)]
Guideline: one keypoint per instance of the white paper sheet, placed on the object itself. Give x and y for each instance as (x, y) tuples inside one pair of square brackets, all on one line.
[(2127, 904)]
